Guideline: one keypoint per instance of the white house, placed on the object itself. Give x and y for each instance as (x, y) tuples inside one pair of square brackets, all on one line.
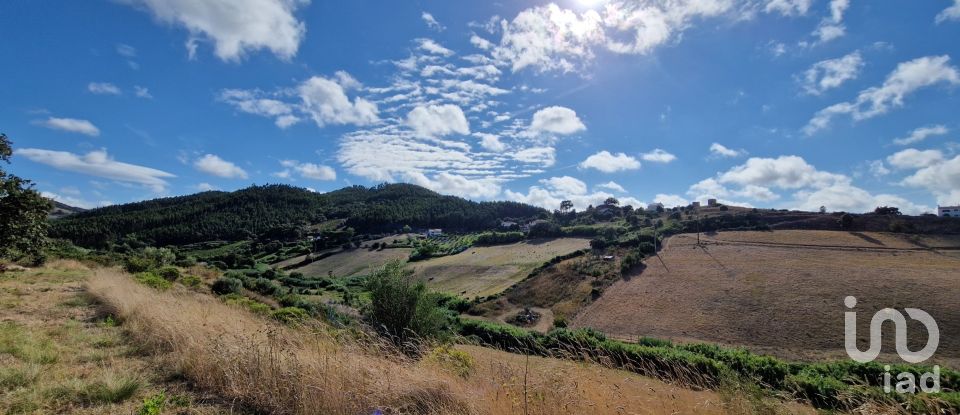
[(434, 232), (948, 211)]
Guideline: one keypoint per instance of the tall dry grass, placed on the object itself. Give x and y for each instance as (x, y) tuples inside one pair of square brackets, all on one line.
[(313, 369)]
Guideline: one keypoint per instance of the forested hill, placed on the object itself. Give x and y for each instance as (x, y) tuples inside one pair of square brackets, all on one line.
[(260, 210)]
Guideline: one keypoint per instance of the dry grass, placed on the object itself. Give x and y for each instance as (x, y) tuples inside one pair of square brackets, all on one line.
[(352, 262), (313, 369), (58, 355), (776, 299)]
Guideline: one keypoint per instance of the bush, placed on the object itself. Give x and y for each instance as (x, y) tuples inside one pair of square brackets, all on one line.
[(290, 315), (191, 281), (169, 273), (253, 306), (498, 238), (226, 285), (402, 306), (135, 264), (152, 280), (455, 361)]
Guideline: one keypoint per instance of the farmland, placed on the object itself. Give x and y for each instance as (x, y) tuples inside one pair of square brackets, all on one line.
[(782, 292), (481, 271)]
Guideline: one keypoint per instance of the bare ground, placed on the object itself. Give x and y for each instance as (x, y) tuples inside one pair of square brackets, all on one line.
[(782, 292)]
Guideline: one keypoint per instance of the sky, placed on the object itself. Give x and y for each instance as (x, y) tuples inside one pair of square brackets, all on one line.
[(788, 104)]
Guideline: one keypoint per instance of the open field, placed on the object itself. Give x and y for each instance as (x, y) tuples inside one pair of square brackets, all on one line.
[(352, 262), (481, 271), (781, 299), (58, 354), (279, 369)]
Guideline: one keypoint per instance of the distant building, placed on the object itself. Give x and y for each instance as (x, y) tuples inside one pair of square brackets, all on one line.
[(507, 224), (948, 211), (654, 206), (434, 232), (711, 202), (695, 205)]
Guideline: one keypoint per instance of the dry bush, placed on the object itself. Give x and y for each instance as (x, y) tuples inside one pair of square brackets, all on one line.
[(66, 265)]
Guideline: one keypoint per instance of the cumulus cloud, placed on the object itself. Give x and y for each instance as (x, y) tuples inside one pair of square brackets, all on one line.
[(846, 197), (306, 170), (719, 150), (787, 172), (942, 179), (832, 27), (103, 88), (831, 73), (658, 156), (904, 80), (950, 13), (98, 163), (491, 142), (612, 186), (670, 200), (142, 92), (921, 133), (912, 158), (788, 7), (326, 102), (480, 42), (431, 46), (544, 156), (556, 120), (432, 22), (610, 163), (235, 27), (550, 192), (214, 165), (551, 38), (438, 120), (72, 125)]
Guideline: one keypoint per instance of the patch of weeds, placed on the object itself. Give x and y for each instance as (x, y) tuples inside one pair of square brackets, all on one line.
[(152, 280), (76, 301), (108, 321), (14, 377), (95, 393), (153, 405), (191, 281), (455, 361), (22, 344)]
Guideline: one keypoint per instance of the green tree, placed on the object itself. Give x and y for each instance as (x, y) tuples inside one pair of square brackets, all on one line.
[(565, 206), (23, 213), (401, 306)]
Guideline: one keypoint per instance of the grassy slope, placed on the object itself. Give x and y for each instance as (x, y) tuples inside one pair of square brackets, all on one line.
[(59, 355), (278, 369), (776, 299)]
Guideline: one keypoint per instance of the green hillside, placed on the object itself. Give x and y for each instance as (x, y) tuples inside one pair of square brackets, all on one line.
[(277, 211)]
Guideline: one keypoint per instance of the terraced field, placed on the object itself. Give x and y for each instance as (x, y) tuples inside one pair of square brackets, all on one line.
[(782, 292)]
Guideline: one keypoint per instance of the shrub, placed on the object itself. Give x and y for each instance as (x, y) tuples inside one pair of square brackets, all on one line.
[(401, 305), (169, 273), (226, 285), (290, 315), (191, 281), (135, 264), (153, 405), (152, 280), (458, 362), (253, 306)]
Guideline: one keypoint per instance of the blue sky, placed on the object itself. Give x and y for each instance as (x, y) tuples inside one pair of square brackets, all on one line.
[(769, 103)]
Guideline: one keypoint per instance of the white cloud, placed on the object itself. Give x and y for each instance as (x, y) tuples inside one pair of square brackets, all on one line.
[(457, 185), (98, 163), (430, 46), (612, 186), (719, 150), (234, 26), (832, 27), (545, 156), (831, 73), (142, 92), (75, 201), (72, 125), (787, 172), (326, 102), (943, 179), (921, 134), (848, 198), (711, 188), (491, 142), (658, 156), (307, 170), (878, 169), (432, 22), (669, 200), (480, 42), (788, 7), (126, 50), (550, 192), (912, 158), (438, 120), (950, 13), (556, 120), (214, 165), (103, 88), (610, 163), (905, 79), (206, 187)]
